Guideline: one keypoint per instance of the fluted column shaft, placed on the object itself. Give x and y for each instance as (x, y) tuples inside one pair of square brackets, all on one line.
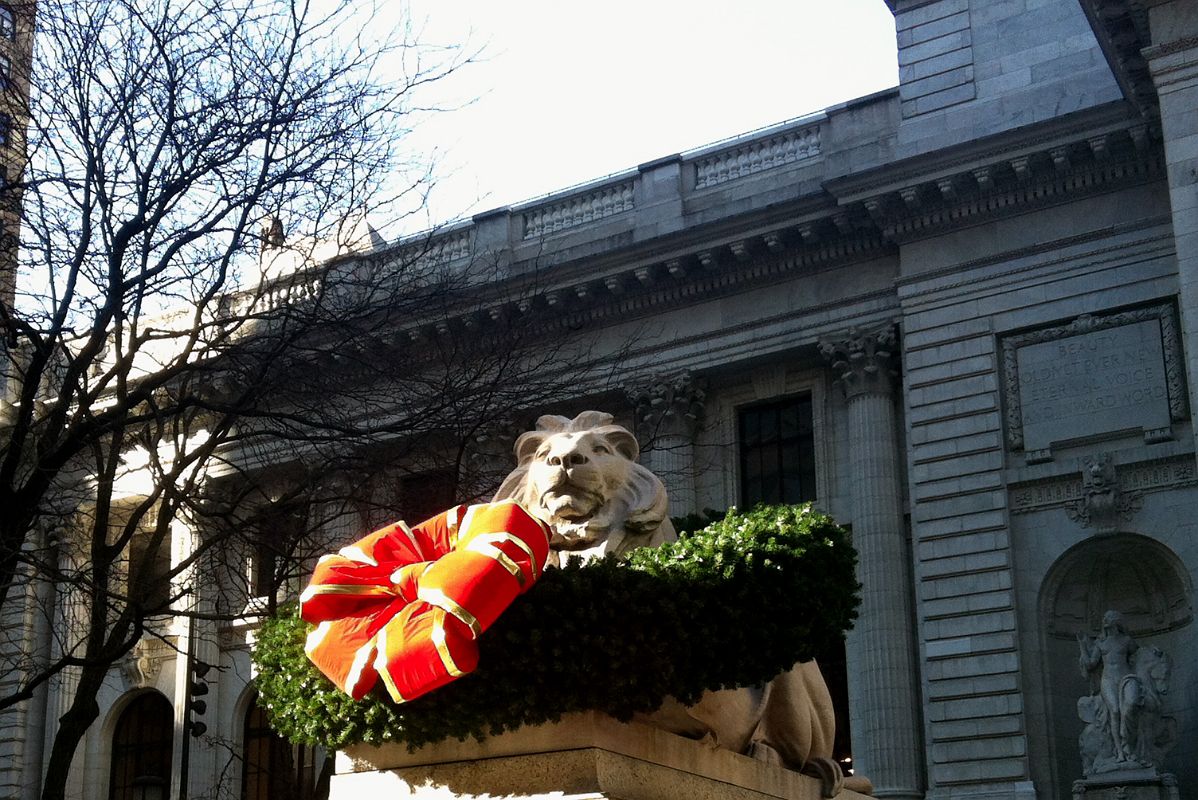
[(882, 665)]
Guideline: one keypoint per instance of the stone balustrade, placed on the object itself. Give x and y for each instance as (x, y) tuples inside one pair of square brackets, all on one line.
[(581, 209), (757, 155)]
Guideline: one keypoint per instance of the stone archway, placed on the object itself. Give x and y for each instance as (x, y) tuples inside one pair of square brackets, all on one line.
[(1128, 572)]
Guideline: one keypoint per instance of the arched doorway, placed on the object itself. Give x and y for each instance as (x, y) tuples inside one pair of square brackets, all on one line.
[(1130, 573), (142, 743)]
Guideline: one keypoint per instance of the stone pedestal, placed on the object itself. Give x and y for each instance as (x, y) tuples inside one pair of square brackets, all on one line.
[(583, 756), (1129, 785)]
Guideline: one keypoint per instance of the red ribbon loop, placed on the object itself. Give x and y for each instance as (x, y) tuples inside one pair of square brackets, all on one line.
[(407, 605)]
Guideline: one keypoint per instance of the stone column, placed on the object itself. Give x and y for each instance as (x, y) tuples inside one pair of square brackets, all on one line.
[(880, 650), (1173, 62), (669, 412), (70, 616)]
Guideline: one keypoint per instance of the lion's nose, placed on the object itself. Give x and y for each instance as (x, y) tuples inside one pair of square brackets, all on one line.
[(567, 460)]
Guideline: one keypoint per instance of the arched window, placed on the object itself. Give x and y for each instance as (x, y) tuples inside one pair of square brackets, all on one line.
[(141, 749), (273, 767), (8, 24)]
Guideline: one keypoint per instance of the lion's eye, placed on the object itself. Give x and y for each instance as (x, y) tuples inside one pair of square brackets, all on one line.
[(602, 450)]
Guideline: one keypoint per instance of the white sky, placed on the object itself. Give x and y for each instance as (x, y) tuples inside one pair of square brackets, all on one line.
[(568, 91)]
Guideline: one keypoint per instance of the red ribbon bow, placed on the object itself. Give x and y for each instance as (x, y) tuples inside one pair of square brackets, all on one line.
[(408, 604)]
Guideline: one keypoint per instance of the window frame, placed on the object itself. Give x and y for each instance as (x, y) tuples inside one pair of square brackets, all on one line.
[(722, 439), (778, 443)]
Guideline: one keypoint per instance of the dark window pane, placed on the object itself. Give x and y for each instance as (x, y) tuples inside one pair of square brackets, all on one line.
[(777, 452), (750, 433), (790, 421), (278, 536)]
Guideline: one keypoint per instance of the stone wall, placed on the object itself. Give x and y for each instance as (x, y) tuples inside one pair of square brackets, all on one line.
[(980, 566)]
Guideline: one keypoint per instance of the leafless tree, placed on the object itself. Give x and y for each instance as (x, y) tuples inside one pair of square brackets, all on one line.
[(172, 361)]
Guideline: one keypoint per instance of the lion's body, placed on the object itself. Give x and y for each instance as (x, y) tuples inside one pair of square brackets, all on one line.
[(581, 477)]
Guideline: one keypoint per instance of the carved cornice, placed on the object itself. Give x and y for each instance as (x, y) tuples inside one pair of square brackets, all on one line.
[(957, 160), (622, 276), (1016, 185), (1121, 28), (863, 361)]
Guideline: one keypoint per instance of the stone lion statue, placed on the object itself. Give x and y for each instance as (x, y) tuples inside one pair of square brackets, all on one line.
[(581, 477)]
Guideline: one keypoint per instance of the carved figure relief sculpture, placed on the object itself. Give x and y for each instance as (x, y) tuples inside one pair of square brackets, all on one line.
[(1126, 728)]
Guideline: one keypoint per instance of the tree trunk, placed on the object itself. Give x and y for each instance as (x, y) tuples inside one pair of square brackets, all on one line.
[(72, 727)]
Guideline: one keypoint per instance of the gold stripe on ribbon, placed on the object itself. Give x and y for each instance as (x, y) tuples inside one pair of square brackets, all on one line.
[(489, 550), (451, 520), (357, 555), (361, 659), (354, 589), (467, 520), (503, 537), (438, 598), (380, 666), (317, 636), (544, 526), (438, 637)]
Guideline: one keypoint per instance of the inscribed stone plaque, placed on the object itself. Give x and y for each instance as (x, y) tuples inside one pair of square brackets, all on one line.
[(1093, 383)]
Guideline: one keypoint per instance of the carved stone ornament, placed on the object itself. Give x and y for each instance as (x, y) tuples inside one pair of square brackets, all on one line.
[(141, 665), (1104, 505), (668, 405), (863, 360), (1126, 729)]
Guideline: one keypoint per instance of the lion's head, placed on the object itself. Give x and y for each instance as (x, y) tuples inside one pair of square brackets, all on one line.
[(581, 477)]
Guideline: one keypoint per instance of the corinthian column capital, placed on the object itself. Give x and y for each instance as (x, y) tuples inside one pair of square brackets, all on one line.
[(862, 360), (668, 406)]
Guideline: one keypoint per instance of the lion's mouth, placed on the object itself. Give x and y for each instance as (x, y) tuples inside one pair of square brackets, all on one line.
[(571, 502), (573, 540)]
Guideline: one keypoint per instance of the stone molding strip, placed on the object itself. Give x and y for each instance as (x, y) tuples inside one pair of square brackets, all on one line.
[(1062, 492)]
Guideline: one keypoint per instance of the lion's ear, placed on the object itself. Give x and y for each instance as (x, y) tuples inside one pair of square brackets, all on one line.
[(527, 444), (624, 442)]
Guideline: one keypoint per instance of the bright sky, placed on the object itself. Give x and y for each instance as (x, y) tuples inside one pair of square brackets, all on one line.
[(567, 92)]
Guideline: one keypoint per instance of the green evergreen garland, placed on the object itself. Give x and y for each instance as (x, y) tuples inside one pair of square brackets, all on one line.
[(730, 605)]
